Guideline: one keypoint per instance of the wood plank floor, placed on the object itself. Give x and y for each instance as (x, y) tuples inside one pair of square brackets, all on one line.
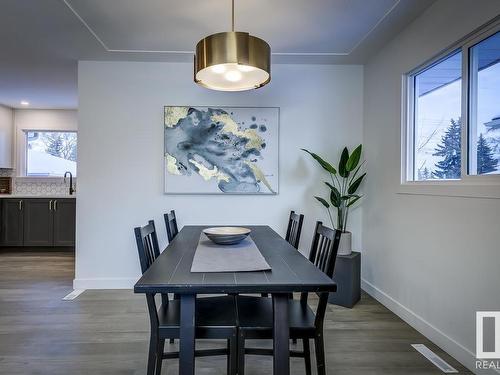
[(106, 332)]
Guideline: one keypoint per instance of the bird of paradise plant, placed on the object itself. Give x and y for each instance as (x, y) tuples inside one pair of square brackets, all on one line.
[(344, 183)]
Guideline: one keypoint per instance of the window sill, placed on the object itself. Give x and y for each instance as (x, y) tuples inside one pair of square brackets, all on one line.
[(460, 189)]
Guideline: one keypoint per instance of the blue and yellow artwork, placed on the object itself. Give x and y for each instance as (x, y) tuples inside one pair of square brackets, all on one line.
[(221, 150)]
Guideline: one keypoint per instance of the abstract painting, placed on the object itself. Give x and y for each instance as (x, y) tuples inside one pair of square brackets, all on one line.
[(221, 150)]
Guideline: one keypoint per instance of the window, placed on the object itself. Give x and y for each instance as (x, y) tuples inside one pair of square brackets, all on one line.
[(454, 96), (484, 115), (437, 111), (50, 153)]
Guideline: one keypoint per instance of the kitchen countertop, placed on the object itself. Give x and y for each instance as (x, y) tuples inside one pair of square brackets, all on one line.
[(26, 196)]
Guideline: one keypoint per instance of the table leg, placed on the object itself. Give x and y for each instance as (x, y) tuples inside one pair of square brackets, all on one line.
[(187, 332), (281, 332)]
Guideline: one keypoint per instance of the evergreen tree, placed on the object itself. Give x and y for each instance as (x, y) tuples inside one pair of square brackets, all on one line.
[(62, 145), (424, 174), (53, 144), (485, 161), (449, 149)]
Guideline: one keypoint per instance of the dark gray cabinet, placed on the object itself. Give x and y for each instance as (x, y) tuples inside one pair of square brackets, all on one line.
[(64, 222), (12, 222), (38, 222)]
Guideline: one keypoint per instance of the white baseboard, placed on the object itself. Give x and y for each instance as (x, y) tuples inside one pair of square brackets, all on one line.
[(105, 283), (452, 347)]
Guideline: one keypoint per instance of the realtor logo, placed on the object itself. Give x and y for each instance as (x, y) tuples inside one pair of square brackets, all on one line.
[(488, 334)]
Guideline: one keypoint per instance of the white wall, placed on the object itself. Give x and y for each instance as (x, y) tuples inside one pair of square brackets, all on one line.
[(6, 137), (120, 152), (432, 259)]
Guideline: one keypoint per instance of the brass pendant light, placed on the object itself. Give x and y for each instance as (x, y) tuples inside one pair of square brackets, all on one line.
[(232, 61)]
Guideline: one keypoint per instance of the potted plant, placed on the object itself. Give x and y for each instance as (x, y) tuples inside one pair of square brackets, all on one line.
[(343, 185)]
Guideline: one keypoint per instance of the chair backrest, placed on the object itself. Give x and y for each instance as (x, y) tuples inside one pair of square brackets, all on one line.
[(149, 250), (324, 248), (147, 245), (171, 224), (294, 229), (323, 255)]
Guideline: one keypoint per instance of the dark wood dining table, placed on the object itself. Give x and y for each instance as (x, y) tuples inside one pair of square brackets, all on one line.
[(290, 272)]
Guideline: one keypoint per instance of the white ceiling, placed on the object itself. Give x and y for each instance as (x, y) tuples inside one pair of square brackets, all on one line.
[(42, 40), (290, 26)]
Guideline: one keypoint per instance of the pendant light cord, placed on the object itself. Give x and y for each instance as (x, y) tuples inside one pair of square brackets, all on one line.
[(232, 15)]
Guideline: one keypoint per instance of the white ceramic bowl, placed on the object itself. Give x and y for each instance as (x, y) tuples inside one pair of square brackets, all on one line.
[(226, 235)]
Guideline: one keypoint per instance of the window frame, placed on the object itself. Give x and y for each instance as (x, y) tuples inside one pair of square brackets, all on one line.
[(464, 46), (466, 96), (24, 161)]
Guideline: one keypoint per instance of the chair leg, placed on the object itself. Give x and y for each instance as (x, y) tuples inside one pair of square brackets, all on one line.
[(176, 297), (152, 354), (159, 355), (307, 355), (232, 355), (241, 354), (228, 371), (290, 297), (320, 354)]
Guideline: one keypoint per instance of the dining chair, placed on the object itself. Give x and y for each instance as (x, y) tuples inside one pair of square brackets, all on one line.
[(294, 229), (171, 224), (292, 236), (215, 316), (172, 230), (256, 315)]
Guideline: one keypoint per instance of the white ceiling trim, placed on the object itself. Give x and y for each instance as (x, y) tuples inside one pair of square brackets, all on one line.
[(375, 26), (86, 25), (101, 42)]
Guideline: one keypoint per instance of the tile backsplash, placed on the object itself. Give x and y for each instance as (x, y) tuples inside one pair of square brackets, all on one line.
[(36, 188)]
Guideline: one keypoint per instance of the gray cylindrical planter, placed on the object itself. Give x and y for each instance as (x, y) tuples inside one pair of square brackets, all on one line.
[(345, 246)]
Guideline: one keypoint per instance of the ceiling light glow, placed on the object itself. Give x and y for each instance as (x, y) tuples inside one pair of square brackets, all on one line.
[(233, 76), (245, 68), (218, 69)]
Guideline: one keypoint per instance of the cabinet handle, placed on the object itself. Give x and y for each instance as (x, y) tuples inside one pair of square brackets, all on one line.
[(55, 205), (20, 205), (50, 205)]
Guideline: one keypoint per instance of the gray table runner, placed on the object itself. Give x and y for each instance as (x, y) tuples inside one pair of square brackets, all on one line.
[(244, 256)]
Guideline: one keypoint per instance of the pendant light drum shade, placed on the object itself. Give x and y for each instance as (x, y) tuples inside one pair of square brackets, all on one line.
[(232, 61)]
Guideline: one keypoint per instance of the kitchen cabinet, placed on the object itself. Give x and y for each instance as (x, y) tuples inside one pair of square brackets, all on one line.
[(6, 137), (64, 222), (12, 222), (38, 222), (43, 222)]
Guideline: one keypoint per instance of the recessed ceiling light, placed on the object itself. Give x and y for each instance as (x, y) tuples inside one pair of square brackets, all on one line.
[(24, 102)]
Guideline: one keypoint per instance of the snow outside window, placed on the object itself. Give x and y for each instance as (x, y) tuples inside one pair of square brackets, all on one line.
[(50, 153)]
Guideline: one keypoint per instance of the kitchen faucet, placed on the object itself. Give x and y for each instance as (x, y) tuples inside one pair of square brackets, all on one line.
[(71, 189)]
